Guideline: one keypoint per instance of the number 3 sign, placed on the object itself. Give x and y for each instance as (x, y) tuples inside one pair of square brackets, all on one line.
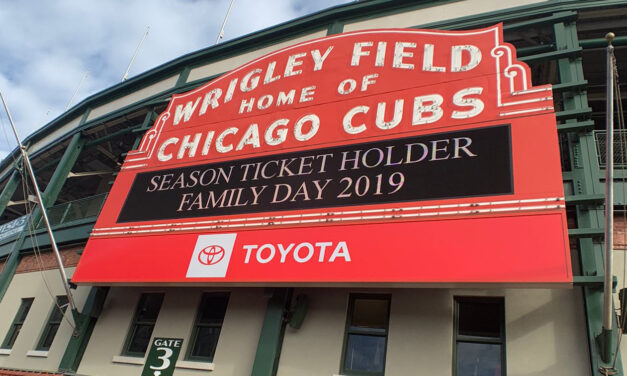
[(162, 357)]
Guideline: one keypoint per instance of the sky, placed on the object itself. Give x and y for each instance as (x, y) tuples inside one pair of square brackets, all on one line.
[(47, 46)]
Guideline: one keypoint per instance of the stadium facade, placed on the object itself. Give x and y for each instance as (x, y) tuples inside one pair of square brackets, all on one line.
[(480, 315)]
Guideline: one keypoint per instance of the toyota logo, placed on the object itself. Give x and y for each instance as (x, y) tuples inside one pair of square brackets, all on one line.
[(211, 255)]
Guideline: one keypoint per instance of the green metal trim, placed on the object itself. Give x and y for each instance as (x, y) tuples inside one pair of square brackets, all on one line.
[(579, 126), (111, 136), (602, 42), (579, 85), (8, 271), (531, 10), (571, 52), (64, 234), (556, 17), (9, 189), (182, 80), (64, 167), (592, 199), (50, 163), (577, 233), (85, 326), (85, 116), (272, 332), (573, 113), (533, 50), (589, 280), (585, 174), (336, 27)]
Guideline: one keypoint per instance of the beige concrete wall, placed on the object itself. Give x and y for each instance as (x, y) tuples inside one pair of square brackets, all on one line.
[(33, 285), (431, 14), (136, 96), (236, 348), (53, 136), (313, 349), (226, 65), (545, 332)]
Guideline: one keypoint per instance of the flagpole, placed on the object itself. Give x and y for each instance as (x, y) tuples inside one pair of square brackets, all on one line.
[(606, 338), (221, 34), (42, 207)]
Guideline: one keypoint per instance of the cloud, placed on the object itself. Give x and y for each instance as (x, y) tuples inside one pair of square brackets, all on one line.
[(47, 46)]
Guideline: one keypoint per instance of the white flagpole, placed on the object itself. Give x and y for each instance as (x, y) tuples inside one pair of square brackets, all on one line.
[(128, 69), (221, 34), (31, 173)]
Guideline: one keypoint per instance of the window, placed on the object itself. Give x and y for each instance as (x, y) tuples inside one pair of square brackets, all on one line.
[(366, 335), (18, 321), (206, 333), (143, 324), (54, 320), (479, 336)]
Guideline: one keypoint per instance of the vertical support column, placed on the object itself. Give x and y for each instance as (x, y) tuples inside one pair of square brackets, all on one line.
[(151, 116), (11, 262), (10, 265), (86, 322), (272, 332), (9, 190), (586, 181)]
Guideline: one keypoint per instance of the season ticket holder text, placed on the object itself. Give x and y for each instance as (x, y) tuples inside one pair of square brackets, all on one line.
[(465, 163)]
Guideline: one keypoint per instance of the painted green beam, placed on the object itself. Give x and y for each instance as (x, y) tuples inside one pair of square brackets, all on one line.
[(592, 281), (8, 271), (111, 136), (555, 17), (573, 113), (575, 85), (593, 199), (572, 52), (64, 167), (9, 190), (86, 323), (602, 42), (577, 233), (534, 50), (578, 126), (584, 175), (272, 332)]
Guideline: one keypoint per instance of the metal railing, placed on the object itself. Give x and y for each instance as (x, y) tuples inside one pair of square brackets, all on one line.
[(620, 152), (74, 210)]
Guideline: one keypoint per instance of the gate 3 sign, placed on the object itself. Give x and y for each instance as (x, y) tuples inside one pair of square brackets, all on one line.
[(381, 156)]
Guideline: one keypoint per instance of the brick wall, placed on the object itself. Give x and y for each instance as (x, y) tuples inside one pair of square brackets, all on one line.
[(47, 260), (620, 231), (9, 372)]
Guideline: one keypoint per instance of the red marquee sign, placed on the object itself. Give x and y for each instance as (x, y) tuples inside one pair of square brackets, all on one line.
[(380, 156)]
